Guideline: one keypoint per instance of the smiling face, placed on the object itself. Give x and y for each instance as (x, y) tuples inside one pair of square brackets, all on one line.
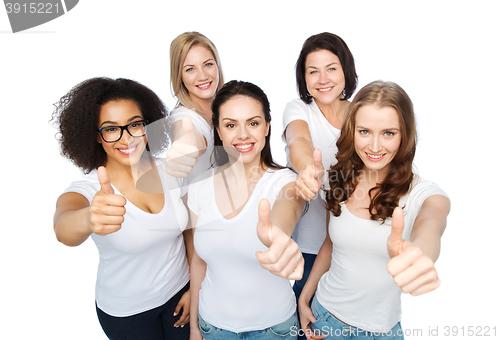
[(127, 150), (200, 74), (324, 77), (243, 129), (377, 137)]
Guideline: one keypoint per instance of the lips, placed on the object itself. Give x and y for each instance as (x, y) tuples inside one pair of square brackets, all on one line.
[(204, 86), (244, 147), (373, 157), (325, 89), (128, 150)]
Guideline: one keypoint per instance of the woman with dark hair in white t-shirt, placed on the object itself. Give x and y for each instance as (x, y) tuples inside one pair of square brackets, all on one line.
[(244, 210), (326, 79), (385, 224), (128, 205)]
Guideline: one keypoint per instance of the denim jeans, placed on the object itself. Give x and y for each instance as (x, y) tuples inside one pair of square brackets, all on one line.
[(154, 324), (327, 324), (284, 331)]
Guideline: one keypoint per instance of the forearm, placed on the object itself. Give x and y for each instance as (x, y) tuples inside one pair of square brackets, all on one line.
[(72, 227), (321, 266), (428, 238), (301, 153), (287, 209), (198, 270)]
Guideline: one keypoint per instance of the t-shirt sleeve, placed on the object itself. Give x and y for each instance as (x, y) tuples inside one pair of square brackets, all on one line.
[(84, 187), (199, 123), (421, 192), (286, 176), (294, 110)]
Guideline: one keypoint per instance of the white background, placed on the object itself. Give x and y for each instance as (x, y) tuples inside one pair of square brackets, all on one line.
[(445, 55)]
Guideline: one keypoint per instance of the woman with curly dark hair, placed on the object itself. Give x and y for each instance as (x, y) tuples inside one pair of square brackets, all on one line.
[(385, 224), (112, 129)]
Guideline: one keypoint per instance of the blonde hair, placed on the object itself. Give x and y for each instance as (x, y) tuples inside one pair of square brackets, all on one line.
[(178, 51)]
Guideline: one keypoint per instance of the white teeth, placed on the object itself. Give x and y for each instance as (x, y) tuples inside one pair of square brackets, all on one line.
[(128, 150), (324, 90), (243, 147), (204, 86), (375, 156)]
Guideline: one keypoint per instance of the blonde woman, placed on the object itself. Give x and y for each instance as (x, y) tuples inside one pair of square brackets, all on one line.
[(196, 76)]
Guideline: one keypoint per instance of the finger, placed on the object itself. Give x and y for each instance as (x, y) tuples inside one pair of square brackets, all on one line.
[(303, 191), (263, 224), (427, 288), (404, 260), (188, 130), (106, 229), (418, 274), (318, 164), (395, 240), (280, 262), (103, 177)]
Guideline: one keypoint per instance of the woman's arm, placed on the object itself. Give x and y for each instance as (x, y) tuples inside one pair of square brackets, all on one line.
[(321, 265), (198, 269), (412, 262), (188, 145), (75, 220), (275, 228), (304, 160)]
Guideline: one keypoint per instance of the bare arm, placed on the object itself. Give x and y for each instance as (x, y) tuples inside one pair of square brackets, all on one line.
[(412, 262), (305, 160), (71, 219), (198, 269)]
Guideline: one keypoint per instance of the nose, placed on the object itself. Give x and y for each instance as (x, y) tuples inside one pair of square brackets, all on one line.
[(323, 78), (242, 132), (125, 138), (376, 145), (203, 75)]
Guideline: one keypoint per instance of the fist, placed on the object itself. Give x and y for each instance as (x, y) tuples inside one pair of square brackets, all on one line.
[(107, 210), (184, 152)]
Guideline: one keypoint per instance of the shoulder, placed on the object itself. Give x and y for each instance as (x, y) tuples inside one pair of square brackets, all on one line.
[(281, 177), (420, 190), (87, 185)]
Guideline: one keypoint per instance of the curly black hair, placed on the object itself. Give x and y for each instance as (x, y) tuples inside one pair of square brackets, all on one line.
[(76, 116)]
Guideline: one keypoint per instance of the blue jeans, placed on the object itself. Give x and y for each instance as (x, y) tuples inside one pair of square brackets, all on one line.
[(299, 285), (286, 330), (327, 324)]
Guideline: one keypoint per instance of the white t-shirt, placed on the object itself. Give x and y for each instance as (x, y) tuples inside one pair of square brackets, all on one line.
[(310, 232), (237, 294), (144, 264), (203, 163), (358, 289)]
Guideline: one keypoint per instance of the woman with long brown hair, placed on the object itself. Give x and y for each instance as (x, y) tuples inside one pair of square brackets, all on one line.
[(385, 224)]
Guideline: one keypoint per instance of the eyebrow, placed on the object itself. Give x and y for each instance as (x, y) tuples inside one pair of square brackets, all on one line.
[(365, 128), (206, 61), (116, 124), (334, 63), (234, 120)]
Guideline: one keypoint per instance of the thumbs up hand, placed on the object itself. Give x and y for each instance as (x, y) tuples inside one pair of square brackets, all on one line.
[(107, 210), (283, 258), (184, 152), (412, 270), (308, 183)]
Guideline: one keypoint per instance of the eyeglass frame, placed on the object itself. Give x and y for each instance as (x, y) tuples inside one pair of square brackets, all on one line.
[(123, 127)]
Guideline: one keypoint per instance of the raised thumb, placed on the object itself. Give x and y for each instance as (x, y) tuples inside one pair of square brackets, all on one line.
[(263, 225), (103, 177), (395, 240), (188, 130), (318, 164)]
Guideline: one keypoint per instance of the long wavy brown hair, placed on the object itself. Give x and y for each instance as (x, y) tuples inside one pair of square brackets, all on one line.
[(344, 176)]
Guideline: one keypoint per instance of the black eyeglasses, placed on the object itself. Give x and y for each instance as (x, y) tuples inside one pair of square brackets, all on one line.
[(114, 133)]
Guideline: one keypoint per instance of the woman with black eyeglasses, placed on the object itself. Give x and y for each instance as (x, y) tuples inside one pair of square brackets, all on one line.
[(129, 206)]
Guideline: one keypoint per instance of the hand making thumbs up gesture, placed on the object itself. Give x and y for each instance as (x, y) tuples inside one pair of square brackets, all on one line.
[(283, 258), (184, 152), (309, 181), (413, 271), (107, 210)]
